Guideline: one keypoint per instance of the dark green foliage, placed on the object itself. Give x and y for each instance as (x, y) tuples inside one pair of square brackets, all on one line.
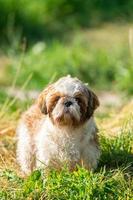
[(117, 152), (37, 19)]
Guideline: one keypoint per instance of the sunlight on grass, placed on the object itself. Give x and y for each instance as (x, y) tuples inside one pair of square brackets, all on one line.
[(120, 122), (112, 179)]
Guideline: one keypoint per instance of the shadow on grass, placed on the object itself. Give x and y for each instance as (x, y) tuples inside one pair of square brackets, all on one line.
[(117, 153)]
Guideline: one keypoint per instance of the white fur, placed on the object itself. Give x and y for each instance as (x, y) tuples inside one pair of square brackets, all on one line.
[(24, 148), (51, 142), (70, 146), (69, 85)]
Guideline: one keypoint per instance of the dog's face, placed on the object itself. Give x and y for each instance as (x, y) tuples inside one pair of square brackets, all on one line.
[(68, 102)]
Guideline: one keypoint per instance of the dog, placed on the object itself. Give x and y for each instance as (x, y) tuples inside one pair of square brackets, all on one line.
[(59, 128)]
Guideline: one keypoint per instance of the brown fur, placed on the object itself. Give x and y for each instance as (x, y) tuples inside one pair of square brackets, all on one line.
[(93, 103), (38, 111), (86, 110), (32, 118), (53, 100), (41, 101)]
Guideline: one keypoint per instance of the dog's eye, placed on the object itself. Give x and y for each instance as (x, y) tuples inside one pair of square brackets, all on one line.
[(78, 99), (57, 98)]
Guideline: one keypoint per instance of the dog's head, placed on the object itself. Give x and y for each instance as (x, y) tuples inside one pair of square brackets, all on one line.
[(68, 102)]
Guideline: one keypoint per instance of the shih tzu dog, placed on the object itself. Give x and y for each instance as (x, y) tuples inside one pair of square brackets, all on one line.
[(59, 128)]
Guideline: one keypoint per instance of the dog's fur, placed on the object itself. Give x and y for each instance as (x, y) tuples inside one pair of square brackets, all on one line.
[(59, 128)]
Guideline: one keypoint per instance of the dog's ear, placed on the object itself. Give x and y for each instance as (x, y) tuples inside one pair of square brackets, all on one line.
[(93, 103), (41, 101)]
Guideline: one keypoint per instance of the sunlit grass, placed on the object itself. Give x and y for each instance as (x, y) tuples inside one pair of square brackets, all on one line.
[(111, 180)]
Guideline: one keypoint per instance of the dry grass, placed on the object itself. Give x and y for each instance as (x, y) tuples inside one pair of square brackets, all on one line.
[(120, 121), (109, 35)]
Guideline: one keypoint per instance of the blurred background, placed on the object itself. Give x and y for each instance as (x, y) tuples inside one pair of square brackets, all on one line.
[(43, 40)]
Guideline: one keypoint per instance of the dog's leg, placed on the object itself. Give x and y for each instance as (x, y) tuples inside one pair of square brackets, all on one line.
[(42, 151), (24, 149), (40, 160), (42, 155)]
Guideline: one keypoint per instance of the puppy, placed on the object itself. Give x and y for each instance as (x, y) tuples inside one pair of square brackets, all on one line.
[(59, 128)]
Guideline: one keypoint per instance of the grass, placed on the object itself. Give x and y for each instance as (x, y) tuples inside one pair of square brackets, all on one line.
[(101, 57), (106, 63), (111, 180)]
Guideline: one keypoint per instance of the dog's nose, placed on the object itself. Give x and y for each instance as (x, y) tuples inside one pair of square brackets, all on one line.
[(68, 103)]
